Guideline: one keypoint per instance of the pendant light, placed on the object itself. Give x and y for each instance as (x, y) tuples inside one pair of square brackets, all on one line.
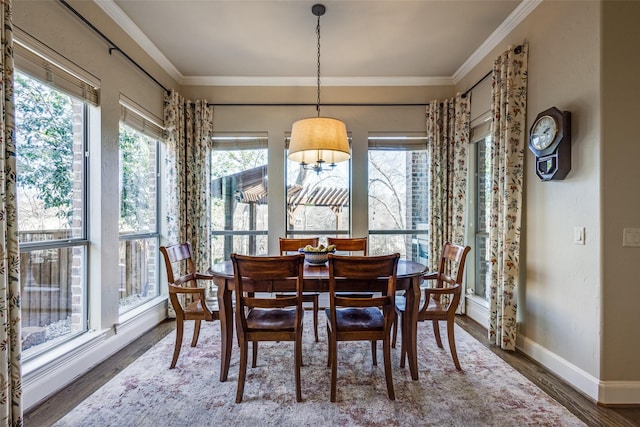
[(318, 143)]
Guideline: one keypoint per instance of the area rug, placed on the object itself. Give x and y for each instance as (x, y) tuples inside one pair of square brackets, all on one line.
[(487, 392)]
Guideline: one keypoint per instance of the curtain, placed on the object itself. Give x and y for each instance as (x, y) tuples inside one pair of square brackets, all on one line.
[(448, 138), (189, 128), (10, 351), (508, 108)]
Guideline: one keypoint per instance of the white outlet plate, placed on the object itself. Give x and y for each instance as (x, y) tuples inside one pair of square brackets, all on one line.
[(631, 237)]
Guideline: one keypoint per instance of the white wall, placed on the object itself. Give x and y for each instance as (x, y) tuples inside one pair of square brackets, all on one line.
[(620, 197), (577, 303)]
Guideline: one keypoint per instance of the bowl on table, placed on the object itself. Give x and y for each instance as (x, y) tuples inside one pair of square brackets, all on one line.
[(316, 257)]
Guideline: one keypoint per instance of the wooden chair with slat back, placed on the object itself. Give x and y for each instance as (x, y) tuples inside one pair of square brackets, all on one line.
[(267, 319), (351, 244), (187, 298), (361, 319), (448, 284), (287, 246), (354, 246)]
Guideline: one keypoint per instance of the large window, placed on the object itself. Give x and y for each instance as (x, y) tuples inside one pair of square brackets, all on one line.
[(138, 178), (51, 184), (482, 195), (398, 195), (239, 195), (318, 202)]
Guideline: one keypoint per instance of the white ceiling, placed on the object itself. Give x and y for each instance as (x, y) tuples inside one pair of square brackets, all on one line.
[(249, 42)]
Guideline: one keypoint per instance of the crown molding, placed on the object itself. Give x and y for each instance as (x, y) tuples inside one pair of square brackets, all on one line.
[(129, 27), (518, 14), (312, 81)]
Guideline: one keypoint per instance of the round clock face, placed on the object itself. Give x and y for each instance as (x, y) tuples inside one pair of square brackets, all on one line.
[(543, 132)]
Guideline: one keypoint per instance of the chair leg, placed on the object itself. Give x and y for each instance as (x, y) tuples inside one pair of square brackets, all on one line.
[(395, 332), (452, 344), (436, 332), (196, 333), (242, 373), (333, 355), (403, 347), (298, 363), (315, 315), (254, 349), (176, 350), (386, 348), (330, 347), (374, 353)]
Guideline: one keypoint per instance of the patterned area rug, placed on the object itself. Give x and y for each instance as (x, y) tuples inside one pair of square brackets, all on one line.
[(488, 392)]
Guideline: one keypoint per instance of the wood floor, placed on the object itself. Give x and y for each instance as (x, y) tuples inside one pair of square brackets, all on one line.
[(591, 414)]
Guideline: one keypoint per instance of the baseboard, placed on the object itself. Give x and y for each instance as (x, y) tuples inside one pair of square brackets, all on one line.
[(477, 310), (602, 392), (619, 393), (42, 378)]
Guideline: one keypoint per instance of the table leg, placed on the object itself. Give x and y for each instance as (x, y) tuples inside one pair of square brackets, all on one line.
[(411, 315), (226, 326)]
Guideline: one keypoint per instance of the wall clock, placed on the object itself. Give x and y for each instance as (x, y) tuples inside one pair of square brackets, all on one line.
[(550, 141)]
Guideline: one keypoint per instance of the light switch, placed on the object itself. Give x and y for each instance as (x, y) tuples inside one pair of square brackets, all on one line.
[(578, 235), (631, 237)]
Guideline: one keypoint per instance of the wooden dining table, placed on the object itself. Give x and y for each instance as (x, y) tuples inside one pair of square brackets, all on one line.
[(316, 279)]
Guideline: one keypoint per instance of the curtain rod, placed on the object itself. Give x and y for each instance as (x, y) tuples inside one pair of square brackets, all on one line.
[(464, 95), (301, 104), (113, 46), (346, 104)]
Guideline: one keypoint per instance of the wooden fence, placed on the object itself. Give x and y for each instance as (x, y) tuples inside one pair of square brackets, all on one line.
[(45, 279)]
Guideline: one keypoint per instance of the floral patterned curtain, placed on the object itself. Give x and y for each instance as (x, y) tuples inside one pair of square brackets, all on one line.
[(189, 130), (448, 138), (508, 108), (10, 351), (189, 127)]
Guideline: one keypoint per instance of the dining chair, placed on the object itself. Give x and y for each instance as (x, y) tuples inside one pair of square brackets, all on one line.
[(361, 319), (267, 319), (351, 245), (292, 245), (438, 303), (188, 299)]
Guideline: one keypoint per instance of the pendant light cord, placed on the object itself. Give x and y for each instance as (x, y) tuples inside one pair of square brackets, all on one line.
[(318, 33)]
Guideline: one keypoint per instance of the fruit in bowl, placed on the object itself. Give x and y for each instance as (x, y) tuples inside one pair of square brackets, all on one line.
[(317, 255)]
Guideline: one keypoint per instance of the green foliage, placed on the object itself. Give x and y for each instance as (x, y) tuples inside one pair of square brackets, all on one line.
[(44, 137), (137, 180)]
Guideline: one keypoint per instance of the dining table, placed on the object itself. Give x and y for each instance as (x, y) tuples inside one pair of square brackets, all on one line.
[(316, 279)]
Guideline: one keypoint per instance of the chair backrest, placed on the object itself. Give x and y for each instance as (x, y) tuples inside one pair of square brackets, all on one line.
[(292, 245), (345, 271), (181, 255), (257, 274), (451, 267), (178, 253), (353, 244)]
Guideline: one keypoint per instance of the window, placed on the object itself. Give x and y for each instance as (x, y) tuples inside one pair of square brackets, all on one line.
[(483, 199), (398, 195), (51, 184), (239, 187), (318, 203), (138, 226)]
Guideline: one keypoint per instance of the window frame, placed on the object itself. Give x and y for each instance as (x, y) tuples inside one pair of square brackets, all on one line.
[(228, 141), (401, 141), (70, 242), (137, 119)]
